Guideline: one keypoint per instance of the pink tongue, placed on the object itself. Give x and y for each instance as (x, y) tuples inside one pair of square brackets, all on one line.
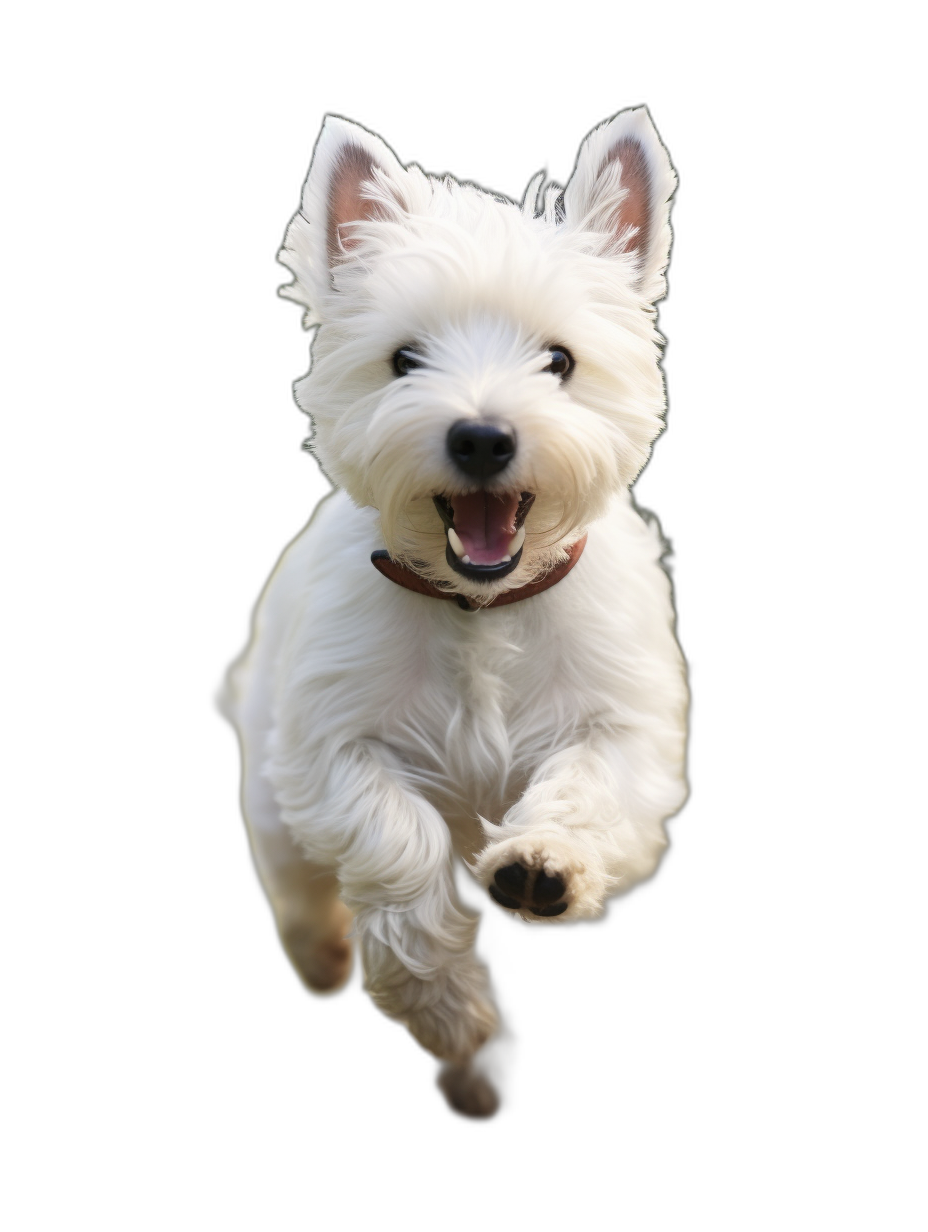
[(485, 524)]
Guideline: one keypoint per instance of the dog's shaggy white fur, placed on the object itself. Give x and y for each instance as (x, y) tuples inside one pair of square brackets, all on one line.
[(383, 730)]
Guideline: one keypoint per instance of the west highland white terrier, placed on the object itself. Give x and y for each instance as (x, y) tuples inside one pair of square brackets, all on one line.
[(470, 649)]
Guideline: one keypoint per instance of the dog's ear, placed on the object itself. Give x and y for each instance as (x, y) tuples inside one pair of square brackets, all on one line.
[(621, 187), (354, 177)]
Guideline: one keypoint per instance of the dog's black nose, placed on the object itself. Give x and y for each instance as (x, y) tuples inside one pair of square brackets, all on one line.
[(480, 449)]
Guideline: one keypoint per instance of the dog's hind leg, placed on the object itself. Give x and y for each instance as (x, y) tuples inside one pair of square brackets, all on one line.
[(311, 920), (356, 810)]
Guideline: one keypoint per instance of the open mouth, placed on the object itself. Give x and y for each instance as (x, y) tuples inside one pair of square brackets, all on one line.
[(485, 532)]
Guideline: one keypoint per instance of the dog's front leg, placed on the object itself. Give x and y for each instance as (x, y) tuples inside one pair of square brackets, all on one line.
[(393, 853), (589, 824)]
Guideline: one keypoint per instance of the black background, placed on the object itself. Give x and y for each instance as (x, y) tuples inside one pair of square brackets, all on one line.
[(666, 1009)]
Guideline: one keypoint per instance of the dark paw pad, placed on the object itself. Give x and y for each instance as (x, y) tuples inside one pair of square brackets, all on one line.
[(512, 879), (524, 889)]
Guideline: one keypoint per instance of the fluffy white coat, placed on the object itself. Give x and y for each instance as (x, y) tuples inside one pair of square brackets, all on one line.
[(384, 731)]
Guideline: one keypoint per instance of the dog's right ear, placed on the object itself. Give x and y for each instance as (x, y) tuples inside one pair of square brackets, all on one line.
[(354, 178)]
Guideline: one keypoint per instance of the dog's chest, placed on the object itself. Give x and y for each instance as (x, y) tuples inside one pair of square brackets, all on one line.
[(483, 711)]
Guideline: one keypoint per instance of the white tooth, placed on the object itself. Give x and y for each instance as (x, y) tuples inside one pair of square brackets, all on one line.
[(516, 541), (455, 540), (505, 560), (465, 560)]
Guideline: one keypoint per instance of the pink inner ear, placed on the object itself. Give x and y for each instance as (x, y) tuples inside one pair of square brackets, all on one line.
[(352, 167), (635, 210)]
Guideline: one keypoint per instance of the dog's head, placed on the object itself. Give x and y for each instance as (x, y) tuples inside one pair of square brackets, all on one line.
[(484, 374)]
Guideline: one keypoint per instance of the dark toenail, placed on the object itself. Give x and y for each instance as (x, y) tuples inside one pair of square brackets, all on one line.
[(556, 909), (547, 889), (512, 879), (503, 899)]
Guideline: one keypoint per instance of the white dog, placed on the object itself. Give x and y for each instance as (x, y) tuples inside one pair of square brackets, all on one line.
[(485, 386)]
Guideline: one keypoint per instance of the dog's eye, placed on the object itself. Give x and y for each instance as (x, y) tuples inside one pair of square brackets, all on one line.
[(562, 361), (405, 360)]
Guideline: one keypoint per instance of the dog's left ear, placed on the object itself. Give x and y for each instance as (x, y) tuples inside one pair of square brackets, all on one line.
[(621, 187)]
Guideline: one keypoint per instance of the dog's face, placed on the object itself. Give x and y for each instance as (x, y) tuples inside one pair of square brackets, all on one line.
[(484, 376)]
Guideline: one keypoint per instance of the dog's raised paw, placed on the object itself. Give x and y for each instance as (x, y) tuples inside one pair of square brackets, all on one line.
[(543, 876), (527, 889)]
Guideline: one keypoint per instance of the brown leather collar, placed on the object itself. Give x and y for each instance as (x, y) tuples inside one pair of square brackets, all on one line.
[(412, 581)]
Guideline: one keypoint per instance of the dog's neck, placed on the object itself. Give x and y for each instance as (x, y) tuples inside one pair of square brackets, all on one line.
[(411, 580)]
